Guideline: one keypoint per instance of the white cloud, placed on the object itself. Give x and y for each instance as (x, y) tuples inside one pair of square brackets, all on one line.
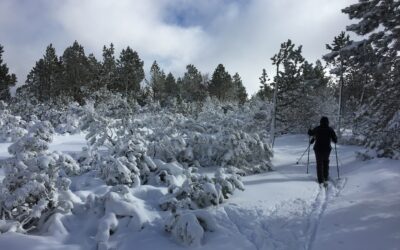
[(243, 35)]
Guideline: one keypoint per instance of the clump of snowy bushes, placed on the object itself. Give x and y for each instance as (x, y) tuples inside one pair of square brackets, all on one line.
[(200, 191), (65, 118), (36, 183), (112, 105), (189, 227), (115, 151), (211, 138), (69, 120), (162, 147), (11, 127), (169, 149), (116, 209)]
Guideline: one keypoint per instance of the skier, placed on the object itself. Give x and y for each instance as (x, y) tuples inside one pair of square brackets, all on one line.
[(323, 135)]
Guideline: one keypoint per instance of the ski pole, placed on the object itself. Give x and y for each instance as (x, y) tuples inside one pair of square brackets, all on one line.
[(303, 154), (308, 157), (337, 163)]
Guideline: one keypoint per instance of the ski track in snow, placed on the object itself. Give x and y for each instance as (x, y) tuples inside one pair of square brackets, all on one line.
[(292, 224), (321, 202)]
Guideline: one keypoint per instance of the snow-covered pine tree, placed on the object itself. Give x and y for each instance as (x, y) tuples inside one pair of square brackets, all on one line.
[(11, 127), (378, 118), (289, 89), (113, 105), (200, 191), (69, 120), (34, 187), (124, 161), (24, 103), (319, 98), (188, 227), (116, 210), (339, 59)]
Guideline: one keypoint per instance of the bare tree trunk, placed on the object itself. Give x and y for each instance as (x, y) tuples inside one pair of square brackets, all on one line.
[(340, 104), (273, 122), (126, 89)]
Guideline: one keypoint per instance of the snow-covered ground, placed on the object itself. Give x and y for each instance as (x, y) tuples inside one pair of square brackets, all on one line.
[(283, 209)]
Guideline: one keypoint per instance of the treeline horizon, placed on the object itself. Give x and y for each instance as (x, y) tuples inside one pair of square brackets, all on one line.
[(75, 74)]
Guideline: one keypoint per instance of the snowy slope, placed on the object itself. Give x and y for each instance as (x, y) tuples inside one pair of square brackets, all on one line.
[(283, 209)]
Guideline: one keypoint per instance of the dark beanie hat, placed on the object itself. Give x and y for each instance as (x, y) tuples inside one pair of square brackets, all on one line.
[(324, 121)]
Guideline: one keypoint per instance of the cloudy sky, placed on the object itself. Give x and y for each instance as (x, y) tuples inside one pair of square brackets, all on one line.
[(241, 34)]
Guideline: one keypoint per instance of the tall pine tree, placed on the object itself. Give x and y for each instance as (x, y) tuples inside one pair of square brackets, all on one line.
[(339, 59), (240, 94), (44, 78), (130, 73), (192, 86), (288, 109), (157, 82), (171, 89), (221, 84), (75, 72), (265, 92), (108, 71)]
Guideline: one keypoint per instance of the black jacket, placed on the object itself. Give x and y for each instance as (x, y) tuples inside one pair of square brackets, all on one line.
[(323, 135)]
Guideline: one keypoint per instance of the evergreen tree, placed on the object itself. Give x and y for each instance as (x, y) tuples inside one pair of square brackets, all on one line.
[(315, 75), (75, 72), (94, 70), (157, 82), (34, 80), (290, 91), (6, 80), (265, 92), (108, 71), (171, 87), (43, 79), (193, 87), (221, 84), (239, 89), (378, 119), (34, 186), (338, 58), (318, 97), (130, 72), (358, 81)]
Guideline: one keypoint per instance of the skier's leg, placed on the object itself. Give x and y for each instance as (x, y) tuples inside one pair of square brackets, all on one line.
[(326, 165), (319, 159)]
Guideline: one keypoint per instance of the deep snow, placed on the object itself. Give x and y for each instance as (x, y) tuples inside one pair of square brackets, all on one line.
[(283, 209)]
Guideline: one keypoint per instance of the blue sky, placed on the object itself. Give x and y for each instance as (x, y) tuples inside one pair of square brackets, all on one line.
[(241, 34)]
